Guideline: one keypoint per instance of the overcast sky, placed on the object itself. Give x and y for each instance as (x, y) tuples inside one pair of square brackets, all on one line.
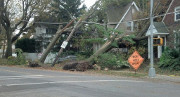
[(89, 2)]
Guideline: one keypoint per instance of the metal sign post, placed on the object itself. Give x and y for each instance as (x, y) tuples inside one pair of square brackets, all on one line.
[(152, 72)]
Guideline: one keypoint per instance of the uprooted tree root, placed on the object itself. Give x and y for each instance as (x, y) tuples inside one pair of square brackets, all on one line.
[(77, 66), (34, 64)]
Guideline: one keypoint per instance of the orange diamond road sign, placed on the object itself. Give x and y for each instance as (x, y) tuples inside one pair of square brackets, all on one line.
[(135, 60)]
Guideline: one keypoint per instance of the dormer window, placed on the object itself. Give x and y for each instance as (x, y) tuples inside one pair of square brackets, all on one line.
[(177, 13)]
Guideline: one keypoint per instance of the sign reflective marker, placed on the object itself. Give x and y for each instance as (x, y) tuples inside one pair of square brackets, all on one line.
[(64, 44), (135, 60)]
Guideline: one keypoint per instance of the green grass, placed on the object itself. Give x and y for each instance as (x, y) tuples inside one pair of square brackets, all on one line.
[(167, 72), (142, 71), (3, 61)]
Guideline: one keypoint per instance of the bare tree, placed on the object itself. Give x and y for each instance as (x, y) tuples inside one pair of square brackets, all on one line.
[(16, 16)]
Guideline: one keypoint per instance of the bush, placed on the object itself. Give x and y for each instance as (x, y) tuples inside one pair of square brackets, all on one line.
[(19, 60), (140, 50), (170, 59), (111, 61), (26, 44)]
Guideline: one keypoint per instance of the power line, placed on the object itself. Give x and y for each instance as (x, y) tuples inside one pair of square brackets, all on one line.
[(142, 19)]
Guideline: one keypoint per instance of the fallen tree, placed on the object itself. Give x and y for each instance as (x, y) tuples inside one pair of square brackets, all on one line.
[(52, 43), (106, 46), (89, 62), (59, 32)]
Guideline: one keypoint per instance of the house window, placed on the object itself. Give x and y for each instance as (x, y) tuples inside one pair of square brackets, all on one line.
[(130, 26), (177, 13)]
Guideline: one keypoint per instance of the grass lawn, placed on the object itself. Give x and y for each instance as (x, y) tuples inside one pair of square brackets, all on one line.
[(141, 72)]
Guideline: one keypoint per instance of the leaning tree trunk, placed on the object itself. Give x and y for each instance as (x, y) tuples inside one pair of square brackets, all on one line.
[(108, 43), (103, 49), (52, 43), (84, 65)]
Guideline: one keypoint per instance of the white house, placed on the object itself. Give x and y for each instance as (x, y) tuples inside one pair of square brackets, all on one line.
[(43, 35)]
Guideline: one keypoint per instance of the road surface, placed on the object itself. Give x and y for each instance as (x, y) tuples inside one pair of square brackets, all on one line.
[(20, 82)]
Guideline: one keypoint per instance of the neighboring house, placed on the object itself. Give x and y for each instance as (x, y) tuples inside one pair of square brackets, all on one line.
[(43, 35), (172, 21), (167, 29), (123, 15)]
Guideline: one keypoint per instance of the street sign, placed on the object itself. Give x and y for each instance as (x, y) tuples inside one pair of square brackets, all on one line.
[(135, 60), (64, 44)]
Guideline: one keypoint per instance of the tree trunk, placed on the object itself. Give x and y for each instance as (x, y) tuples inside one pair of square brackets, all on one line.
[(85, 17), (4, 47), (9, 44), (1, 12), (67, 40), (103, 49), (52, 43)]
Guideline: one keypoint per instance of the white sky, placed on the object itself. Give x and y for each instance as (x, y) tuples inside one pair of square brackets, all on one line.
[(89, 3)]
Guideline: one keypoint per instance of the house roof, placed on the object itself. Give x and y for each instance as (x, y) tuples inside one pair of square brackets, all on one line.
[(159, 28), (118, 16), (132, 4)]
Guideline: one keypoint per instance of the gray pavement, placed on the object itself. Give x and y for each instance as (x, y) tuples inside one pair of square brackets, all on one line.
[(21, 82)]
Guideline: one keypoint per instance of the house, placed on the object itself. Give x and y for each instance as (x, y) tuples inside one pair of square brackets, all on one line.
[(168, 29), (124, 15), (172, 21), (121, 18), (43, 35)]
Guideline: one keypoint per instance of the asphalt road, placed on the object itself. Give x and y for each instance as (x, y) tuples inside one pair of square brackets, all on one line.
[(20, 82)]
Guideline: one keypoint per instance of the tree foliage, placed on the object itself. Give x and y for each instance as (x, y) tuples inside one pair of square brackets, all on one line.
[(66, 10), (26, 45), (170, 59), (121, 3)]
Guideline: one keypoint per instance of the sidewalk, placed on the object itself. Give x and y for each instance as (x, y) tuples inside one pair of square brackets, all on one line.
[(170, 78)]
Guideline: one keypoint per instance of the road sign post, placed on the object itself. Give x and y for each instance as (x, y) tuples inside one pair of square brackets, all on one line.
[(152, 72)]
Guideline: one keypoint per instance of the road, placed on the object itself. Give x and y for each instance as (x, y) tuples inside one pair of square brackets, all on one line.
[(21, 82)]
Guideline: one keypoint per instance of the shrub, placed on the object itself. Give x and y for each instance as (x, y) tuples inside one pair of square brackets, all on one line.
[(170, 59), (19, 60), (141, 51), (26, 45), (111, 61)]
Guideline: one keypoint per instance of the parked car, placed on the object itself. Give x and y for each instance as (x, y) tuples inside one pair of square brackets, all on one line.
[(69, 57)]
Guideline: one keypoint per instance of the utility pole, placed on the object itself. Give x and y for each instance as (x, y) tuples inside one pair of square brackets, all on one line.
[(152, 72), (63, 46)]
